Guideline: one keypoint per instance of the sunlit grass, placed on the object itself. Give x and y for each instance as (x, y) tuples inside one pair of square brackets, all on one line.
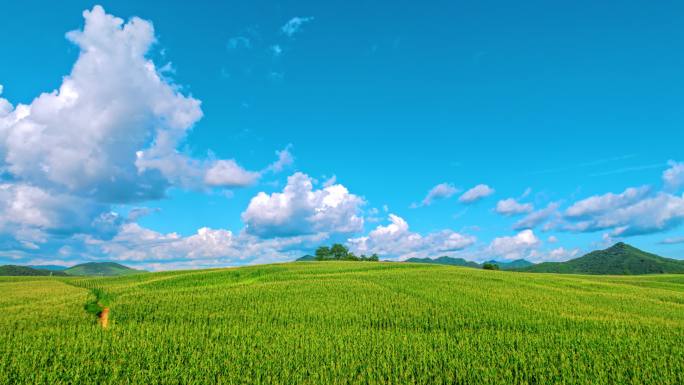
[(345, 322)]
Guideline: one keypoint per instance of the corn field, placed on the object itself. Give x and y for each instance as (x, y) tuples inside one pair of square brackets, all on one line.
[(344, 323)]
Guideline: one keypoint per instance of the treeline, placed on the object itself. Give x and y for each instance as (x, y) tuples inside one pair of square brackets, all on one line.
[(338, 252)]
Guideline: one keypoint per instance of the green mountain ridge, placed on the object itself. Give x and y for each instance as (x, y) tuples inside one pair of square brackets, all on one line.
[(101, 269), (503, 265), (619, 259), (16, 270), (84, 269)]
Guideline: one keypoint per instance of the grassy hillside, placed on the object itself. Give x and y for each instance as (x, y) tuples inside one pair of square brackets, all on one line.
[(100, 269), (345, 322), (445, 261), (618, 259), (15, 270)]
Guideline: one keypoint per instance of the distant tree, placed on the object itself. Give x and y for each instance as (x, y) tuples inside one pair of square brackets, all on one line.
[(339, 252), (490, 266), (323, 253)]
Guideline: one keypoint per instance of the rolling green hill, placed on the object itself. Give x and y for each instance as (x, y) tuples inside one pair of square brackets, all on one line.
[(100, 269), (345, 323), (619, 259), (446, 261), (15, 270)]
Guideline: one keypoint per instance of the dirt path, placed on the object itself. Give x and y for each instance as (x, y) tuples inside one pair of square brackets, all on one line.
[(104, 318)]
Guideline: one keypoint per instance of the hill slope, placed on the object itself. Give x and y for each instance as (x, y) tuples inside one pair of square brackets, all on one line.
[(446, 261), (619, 259), (15, 270), (101, 269)]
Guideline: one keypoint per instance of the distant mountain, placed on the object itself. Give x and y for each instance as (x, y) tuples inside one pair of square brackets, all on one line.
[(305, 258), (14, 270), (619, 259), (49, 267), (101, 269), (516, 264), (446, 261)]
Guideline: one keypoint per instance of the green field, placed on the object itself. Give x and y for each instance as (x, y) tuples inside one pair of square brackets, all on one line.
[(345, 322)]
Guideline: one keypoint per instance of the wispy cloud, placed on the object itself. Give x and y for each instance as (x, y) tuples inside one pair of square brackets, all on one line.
[(476, 193), (672, 241), (294, 25), (440, 191), (239, 42), (628, 169)]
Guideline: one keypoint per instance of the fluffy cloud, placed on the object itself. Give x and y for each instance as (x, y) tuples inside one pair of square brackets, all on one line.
[(440, 191), (649, 215), (521, 245), (145, 248), (32, 215), (112, 129), (511, 207), (109, 134), (396, 240), (476, 193), (294, 25), (601, 204), (673, 177), (135, 243), (300, 209), (229, 173), (538, 217)]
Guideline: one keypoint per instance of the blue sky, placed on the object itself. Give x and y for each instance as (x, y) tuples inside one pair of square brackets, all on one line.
[(276, 127)]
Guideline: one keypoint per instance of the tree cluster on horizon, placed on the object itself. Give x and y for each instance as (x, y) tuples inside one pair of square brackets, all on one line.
[(339, 252)]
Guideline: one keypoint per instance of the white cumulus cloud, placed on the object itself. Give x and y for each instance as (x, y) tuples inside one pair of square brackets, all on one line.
[(300, 209), (511, 207), (229, 173), (109, 134), (395, 240), (521, 245)]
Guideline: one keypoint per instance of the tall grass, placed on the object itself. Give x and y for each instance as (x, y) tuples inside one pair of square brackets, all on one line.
[(343, 323)]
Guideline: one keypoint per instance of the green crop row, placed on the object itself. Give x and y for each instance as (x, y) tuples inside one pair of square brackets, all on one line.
[(345, 323)]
